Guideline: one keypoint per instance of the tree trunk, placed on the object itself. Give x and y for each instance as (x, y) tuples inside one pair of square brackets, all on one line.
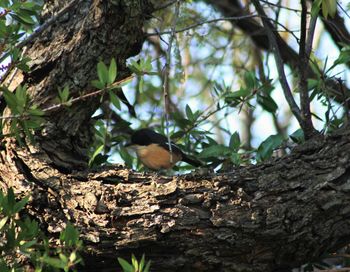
[(272, 216)]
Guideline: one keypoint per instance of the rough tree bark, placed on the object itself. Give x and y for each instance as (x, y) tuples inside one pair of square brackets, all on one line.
[(272, 216)]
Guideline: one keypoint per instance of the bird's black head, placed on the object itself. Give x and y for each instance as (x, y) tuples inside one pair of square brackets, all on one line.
[(147, 136)]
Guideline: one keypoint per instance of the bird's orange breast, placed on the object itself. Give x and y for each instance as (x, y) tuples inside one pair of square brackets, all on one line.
[(156, 157)]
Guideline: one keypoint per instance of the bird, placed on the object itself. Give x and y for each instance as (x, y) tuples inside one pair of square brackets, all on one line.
[(152, 149)]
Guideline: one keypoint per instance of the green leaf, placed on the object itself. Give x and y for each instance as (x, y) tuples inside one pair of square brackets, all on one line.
[(235, 141), (27, 11), (235, 158), (329, 7), (215, 151), (344, 57), (64, 94), (27, 130), (19, 205), (147, 267), (102, 72), (297, 136), (24, 245), (312, 83), (126, 157), (3, 265), (242, 92), (96, 152), (315, 8), (4, 3), (147, 64), (11, 238), (250, 80), (97, 84), (33, 123), (267, 103), (35, 111), (125, 265), (134, 262), (112, 72), (189, 113), (135, 67), (63, 258), (268, 146), (142, 262), (54, 262), (70, 236), (11, 200), (114, 99), (29, 5), (141, 85), (23, 18), (100, 130), (21, 96), (10, 99), (98, 160)]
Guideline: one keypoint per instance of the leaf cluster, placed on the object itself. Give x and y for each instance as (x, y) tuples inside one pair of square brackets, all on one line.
[(135, 265), (21, 237)]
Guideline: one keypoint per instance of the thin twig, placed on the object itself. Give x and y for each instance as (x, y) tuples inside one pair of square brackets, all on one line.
[(343, 10), (278, 59), (346, 104), (279, 6), (166, 77), (310, 36), (73, 100), (235, 18)]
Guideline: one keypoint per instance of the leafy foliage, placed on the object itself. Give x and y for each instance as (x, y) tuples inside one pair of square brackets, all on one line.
[(26, 117), (135, 266), (22, 237), (17, 19)]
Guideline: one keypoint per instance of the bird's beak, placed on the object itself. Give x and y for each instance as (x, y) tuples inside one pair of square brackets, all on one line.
[(128, 145)]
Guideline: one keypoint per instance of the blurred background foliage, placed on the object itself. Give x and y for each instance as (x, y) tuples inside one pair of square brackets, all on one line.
[(226, 105)]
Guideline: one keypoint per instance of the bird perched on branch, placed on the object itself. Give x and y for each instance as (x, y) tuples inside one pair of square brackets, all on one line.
[(152, 149)]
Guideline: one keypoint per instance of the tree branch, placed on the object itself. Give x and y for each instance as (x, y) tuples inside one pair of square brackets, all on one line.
[(252, 28), (304, 54), (236, 18), (279, 63), (166, 77)]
